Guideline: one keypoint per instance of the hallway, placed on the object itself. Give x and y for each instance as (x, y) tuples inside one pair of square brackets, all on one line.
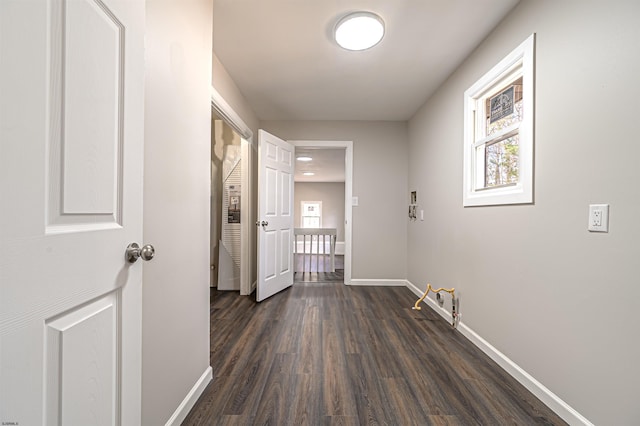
[(325, 353)]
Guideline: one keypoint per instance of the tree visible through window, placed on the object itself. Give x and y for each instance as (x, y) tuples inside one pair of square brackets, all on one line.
[(503, 114)]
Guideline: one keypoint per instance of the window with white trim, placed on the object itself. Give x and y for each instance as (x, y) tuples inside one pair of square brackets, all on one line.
[(498, 132), (311, 214)]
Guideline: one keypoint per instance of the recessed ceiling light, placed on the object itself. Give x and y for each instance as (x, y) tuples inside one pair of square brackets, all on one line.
[(308, 173), (359, 30), (304, 158)]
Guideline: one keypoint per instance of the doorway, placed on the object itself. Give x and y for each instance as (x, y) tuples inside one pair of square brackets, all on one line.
[(231, 240), (226, 205), (323, 200)]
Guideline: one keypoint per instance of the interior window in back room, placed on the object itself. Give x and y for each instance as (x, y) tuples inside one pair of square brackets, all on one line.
[(311, 214)]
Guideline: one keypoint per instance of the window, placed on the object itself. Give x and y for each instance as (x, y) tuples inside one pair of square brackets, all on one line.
[(311, 214), (498, 132)]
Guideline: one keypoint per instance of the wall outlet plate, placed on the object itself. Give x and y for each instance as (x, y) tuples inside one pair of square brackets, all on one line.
[(598, 218)]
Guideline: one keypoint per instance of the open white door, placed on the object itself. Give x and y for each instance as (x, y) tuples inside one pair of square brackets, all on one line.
[(71, 157), (275, 215)]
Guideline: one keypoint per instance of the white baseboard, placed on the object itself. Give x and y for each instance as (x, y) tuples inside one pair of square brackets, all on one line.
[(550, 399), (380, 282), (189, 401), (339, 248)]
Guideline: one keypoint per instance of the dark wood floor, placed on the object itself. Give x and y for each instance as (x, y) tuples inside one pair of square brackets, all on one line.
[(330, 354), (317, 268)]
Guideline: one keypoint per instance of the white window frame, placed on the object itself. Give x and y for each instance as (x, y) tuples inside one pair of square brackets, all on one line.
[(302, 215), (519, 63)]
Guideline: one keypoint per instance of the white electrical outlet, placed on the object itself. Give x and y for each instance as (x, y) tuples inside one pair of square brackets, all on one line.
[(598, 218)]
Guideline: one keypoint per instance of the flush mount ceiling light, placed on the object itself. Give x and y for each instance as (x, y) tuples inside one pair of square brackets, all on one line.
[(308, 173), (359, 30), (304, 158)]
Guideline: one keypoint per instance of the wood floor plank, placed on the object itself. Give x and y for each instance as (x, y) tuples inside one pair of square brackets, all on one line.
[(329, 354), (255, 366), (341, 421), (274, 402), (310, 357), (369, 394), (231, 420), (338, 397), (444, 421), (306, 400)]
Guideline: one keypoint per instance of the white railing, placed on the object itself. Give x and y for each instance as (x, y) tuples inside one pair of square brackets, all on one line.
[(319, 233)]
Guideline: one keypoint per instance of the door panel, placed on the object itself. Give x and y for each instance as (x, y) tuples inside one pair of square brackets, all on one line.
[(275, 207), (86, 105), (286, 237), (81, 353), (71, 140), (92, 93)]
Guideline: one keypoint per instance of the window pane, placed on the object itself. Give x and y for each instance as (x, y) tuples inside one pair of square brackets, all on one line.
[(504, 107), (501, 162), (312, 209), (310, 222)]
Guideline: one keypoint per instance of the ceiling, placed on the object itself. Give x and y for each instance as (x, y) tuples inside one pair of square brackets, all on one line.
[(281, 55), (327, 164)]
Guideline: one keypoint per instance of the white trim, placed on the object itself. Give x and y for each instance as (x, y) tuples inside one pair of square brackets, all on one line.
[(224, 110), (379, 282), (348, 192), (189, 401), (551, 400), (522, 192)]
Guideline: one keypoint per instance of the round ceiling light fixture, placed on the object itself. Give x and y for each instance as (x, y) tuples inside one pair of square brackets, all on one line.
[(359, 31), (308, 173), (304, 158)]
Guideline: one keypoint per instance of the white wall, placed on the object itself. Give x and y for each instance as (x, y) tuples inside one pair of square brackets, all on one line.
[(559, 301), (175, 346), (379, 229), (332, 196), (224, 84)]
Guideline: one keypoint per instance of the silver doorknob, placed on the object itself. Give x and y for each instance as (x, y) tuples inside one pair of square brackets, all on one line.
[(263, 223), (134, 251)]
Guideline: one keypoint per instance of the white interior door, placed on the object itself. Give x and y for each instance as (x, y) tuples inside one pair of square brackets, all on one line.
[(275, 215), (71, 140)]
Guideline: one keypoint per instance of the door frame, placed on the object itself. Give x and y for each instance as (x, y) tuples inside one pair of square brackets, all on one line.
[(348, 192), (248, 149)]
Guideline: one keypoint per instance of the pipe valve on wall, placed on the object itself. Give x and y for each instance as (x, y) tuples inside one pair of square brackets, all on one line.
[(455, 316)]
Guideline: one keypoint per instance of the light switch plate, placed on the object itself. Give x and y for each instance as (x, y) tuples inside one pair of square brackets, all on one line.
[(354, 201), (598, 218)]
